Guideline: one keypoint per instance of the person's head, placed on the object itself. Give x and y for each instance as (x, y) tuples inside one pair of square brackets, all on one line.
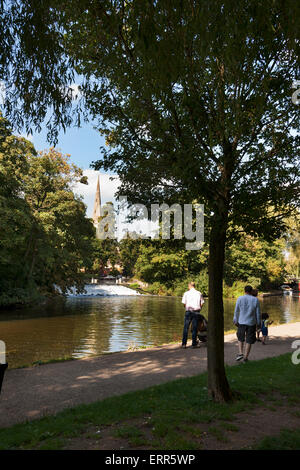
[(248, 289), (191, 285), (254, 292), (264, 316)]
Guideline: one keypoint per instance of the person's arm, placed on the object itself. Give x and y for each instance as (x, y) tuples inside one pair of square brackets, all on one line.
[(258, 316), (201, 301), (184, 300), (236, 312)]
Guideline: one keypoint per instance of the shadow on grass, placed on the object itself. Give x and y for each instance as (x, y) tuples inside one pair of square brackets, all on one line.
[(169, 407)]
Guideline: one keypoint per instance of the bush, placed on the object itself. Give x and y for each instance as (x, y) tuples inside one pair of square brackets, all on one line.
[(201, 283), (180, 285), (238, 287), (135, 285), (158, 289), (19, 296)]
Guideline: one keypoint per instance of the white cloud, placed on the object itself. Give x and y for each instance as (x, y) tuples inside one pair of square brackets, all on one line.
[(108, 188), (71, 92), (26, 136), (2, 93)]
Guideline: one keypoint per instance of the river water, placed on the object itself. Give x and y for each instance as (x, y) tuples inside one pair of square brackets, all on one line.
[(92, 325)]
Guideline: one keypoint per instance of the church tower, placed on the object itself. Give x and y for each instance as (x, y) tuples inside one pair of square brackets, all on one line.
[(97, 205)]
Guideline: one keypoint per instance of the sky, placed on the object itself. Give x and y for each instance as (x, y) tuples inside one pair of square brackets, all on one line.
[(83, 144)]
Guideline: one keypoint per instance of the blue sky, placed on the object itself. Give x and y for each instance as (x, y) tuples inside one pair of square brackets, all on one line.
[(83, 144)]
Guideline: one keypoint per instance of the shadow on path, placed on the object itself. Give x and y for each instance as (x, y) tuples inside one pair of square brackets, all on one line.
[(37, 391)]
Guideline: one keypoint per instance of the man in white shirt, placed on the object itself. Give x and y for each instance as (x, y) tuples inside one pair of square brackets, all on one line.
[(193, 301)]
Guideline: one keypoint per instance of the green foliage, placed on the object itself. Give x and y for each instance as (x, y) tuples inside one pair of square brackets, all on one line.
[(45, 235), (161, 261), (200, 279), (152, 266), (170, 409), (232, 132), (195, 105), (288, 439), (129, 250), (249, 260), (293, 246), (134, 285), (256, 262), (236, 289), (104, 252), (19, 296)]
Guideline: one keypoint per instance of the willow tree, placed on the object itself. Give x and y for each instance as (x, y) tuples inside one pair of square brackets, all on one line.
[(195, 101)]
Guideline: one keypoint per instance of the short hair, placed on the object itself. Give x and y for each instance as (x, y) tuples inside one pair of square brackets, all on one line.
[(254, 292), (248, 289), (192, 284)]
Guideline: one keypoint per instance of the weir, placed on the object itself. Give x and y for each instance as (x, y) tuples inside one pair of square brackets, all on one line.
[(103, 290)]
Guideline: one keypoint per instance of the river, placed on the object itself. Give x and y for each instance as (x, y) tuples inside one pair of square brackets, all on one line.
[(77, 327)]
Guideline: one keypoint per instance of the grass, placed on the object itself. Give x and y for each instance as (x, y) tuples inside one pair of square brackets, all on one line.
[(170, 413), (46, 361), (287, 440)]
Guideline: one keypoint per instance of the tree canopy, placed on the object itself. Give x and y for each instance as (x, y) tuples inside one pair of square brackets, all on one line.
[(195, 106), (45, 235)]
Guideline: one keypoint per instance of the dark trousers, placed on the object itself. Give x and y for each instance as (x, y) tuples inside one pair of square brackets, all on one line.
[(190, 317)]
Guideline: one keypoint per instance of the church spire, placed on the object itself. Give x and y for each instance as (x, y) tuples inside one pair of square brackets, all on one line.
[(97, 204)]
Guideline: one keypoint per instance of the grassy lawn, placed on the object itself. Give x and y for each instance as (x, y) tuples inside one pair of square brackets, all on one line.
[(287, 440), (168, 416)]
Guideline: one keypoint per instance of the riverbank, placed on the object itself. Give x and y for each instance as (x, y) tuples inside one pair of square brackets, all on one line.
[(23, 298), (20, 298), (29, 394), (161, 290), (91, 326)]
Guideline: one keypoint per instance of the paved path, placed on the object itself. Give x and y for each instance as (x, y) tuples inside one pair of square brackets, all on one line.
[(37, 391)]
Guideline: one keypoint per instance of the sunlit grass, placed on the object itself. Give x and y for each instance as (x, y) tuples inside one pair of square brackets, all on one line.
[(168, 409)]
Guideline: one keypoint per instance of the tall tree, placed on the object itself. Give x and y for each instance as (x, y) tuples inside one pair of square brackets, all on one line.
[(15, 213), (195, 106), (60, 237), (293, 246), (45, 236)]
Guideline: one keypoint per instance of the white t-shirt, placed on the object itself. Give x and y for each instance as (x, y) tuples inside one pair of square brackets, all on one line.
[(193, 299)]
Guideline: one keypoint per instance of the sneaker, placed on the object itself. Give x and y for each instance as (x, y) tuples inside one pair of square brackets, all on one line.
[(245, 360), (183, 346), (239, 357)]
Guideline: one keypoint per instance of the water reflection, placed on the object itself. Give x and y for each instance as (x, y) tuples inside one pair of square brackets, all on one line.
[(78, 327)]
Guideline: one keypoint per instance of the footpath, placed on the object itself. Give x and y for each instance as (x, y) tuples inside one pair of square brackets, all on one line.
[(34, 392)]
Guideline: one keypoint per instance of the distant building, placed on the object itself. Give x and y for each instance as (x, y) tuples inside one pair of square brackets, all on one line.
[(96, 219), (97, 205)]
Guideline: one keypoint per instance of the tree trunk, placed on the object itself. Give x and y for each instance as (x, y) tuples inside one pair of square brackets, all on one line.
[(218, 386)]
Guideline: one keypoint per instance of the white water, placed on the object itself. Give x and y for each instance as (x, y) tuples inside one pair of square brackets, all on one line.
[(103, 290)]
